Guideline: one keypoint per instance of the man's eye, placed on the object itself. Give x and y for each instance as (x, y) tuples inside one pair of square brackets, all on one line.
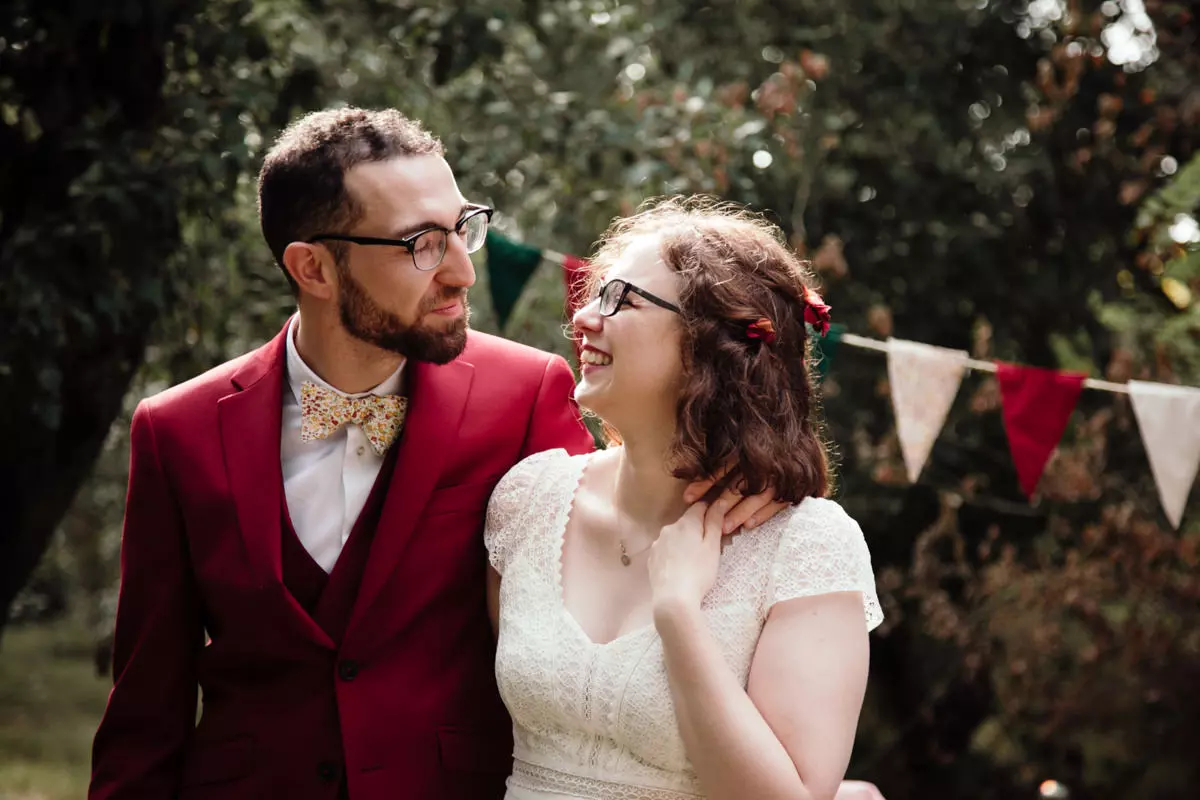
[(426, 243)]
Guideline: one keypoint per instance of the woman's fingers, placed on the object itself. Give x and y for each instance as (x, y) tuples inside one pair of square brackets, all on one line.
[(699, 488), (717, 513)]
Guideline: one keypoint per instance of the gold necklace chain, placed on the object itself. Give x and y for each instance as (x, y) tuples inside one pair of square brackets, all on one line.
[(626, 557)]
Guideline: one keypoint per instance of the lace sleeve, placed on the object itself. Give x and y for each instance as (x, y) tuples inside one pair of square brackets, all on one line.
[(822, 550), (509, 504)]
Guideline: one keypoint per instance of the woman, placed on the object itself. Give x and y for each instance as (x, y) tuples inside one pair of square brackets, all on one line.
[(639, 656)]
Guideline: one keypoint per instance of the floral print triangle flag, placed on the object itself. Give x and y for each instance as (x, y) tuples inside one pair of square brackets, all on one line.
[(1169, 419), (924, 381)]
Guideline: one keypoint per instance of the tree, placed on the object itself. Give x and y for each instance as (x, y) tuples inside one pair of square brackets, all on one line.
[(121, 126)]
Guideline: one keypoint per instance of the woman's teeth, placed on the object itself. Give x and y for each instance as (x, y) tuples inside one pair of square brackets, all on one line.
[(596, 359)]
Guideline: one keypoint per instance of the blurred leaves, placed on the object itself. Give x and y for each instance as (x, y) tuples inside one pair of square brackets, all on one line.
[(983, 176), (126, 132)]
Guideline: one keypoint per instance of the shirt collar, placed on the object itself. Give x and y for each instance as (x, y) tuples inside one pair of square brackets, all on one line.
[(300, 373)]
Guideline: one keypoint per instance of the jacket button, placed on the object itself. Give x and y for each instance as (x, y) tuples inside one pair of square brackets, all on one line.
[(348, 669), (327, 771)]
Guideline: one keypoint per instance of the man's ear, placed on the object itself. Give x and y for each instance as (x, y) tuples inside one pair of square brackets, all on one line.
[(311, 267)]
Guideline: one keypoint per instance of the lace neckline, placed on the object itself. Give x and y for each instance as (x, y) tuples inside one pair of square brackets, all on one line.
[(558, 542)]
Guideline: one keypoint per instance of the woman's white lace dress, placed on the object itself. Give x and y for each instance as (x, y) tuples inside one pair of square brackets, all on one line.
[(596, 720)]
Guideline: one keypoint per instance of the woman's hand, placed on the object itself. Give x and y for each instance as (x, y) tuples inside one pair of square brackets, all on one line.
[(858, 790), (683, 561), (742, 511)]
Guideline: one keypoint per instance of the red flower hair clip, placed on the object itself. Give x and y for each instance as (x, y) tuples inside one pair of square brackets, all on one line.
[(816, 313), (761, 328)]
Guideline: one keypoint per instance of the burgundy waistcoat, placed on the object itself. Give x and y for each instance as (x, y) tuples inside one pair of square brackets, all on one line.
[(329, 597)]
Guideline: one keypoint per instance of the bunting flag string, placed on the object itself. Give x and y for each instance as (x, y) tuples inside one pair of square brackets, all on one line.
[(1168, 419), (867, 343), (1036, 403)]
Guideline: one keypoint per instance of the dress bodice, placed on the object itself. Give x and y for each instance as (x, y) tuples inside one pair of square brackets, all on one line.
[(596, 720)]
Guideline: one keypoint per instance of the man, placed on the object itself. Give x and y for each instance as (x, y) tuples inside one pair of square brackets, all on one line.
[(339, 580), (303, 527)]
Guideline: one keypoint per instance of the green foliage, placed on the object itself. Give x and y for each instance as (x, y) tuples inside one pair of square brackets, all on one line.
[(52, 701), (127, 128)]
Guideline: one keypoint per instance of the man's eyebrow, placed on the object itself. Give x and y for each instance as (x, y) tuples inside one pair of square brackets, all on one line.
[(424, 226)]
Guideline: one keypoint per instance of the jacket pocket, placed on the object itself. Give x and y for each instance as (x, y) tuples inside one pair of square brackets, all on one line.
[(468, 750), (217, 762)]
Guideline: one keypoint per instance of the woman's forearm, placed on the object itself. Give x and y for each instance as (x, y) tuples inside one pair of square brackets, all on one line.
[(731, 747)]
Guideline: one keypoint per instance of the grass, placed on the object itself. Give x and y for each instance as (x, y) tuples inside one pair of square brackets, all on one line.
[(50, 705)]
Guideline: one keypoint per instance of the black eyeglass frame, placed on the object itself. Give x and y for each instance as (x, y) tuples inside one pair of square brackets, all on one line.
[(626, 288), (409, 243)]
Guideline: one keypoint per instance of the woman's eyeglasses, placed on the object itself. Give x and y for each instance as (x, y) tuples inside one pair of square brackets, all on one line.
[(614, 293)]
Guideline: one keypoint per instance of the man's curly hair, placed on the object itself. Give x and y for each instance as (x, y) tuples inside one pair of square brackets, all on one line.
[(301, 186), (746, 403)]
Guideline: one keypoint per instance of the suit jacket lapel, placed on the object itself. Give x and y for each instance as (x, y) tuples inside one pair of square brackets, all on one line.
[(437, 399), (250, 427), (250, 422)]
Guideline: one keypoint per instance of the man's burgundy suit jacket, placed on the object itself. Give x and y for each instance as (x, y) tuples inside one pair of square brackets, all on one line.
[(202, 603)]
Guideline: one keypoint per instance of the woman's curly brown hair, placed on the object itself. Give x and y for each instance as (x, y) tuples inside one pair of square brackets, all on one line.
[(745, 402)]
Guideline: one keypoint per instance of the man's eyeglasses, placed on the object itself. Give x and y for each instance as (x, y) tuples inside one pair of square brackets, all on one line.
[(614, 293), (428, 247)]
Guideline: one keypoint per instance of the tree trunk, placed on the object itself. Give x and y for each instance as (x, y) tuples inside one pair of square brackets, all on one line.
[(43, 469)]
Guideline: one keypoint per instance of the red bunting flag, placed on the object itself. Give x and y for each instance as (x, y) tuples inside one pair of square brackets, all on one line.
[(575, 277), (1037, 404)]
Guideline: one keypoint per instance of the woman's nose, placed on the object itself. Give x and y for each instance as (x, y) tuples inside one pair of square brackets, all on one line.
[(588, 317)]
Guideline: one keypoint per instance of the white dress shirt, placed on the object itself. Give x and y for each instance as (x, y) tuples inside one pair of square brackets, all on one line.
[(326, 481)]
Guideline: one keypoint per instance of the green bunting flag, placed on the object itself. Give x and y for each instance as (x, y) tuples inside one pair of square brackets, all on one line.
[(826, 348), (509, 266)]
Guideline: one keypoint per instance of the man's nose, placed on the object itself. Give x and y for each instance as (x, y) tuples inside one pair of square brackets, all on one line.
[(456, 268)]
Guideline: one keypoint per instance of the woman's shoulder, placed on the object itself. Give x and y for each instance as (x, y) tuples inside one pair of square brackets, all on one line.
[(815, 514), (537, 462), (522, 486), (527, 474), (822, 549), (526, 490), (819, 530)]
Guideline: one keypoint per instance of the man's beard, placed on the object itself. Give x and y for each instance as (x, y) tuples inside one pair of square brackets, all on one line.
[(365, 320)]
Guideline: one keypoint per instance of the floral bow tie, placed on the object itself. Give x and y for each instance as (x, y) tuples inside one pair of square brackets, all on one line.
[(323, 411)]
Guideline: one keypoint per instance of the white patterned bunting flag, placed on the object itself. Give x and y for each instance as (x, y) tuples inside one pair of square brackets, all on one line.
[(924, 380), (1169, 419)]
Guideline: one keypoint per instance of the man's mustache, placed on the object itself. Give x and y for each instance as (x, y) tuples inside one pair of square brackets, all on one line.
[(445, 298)]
